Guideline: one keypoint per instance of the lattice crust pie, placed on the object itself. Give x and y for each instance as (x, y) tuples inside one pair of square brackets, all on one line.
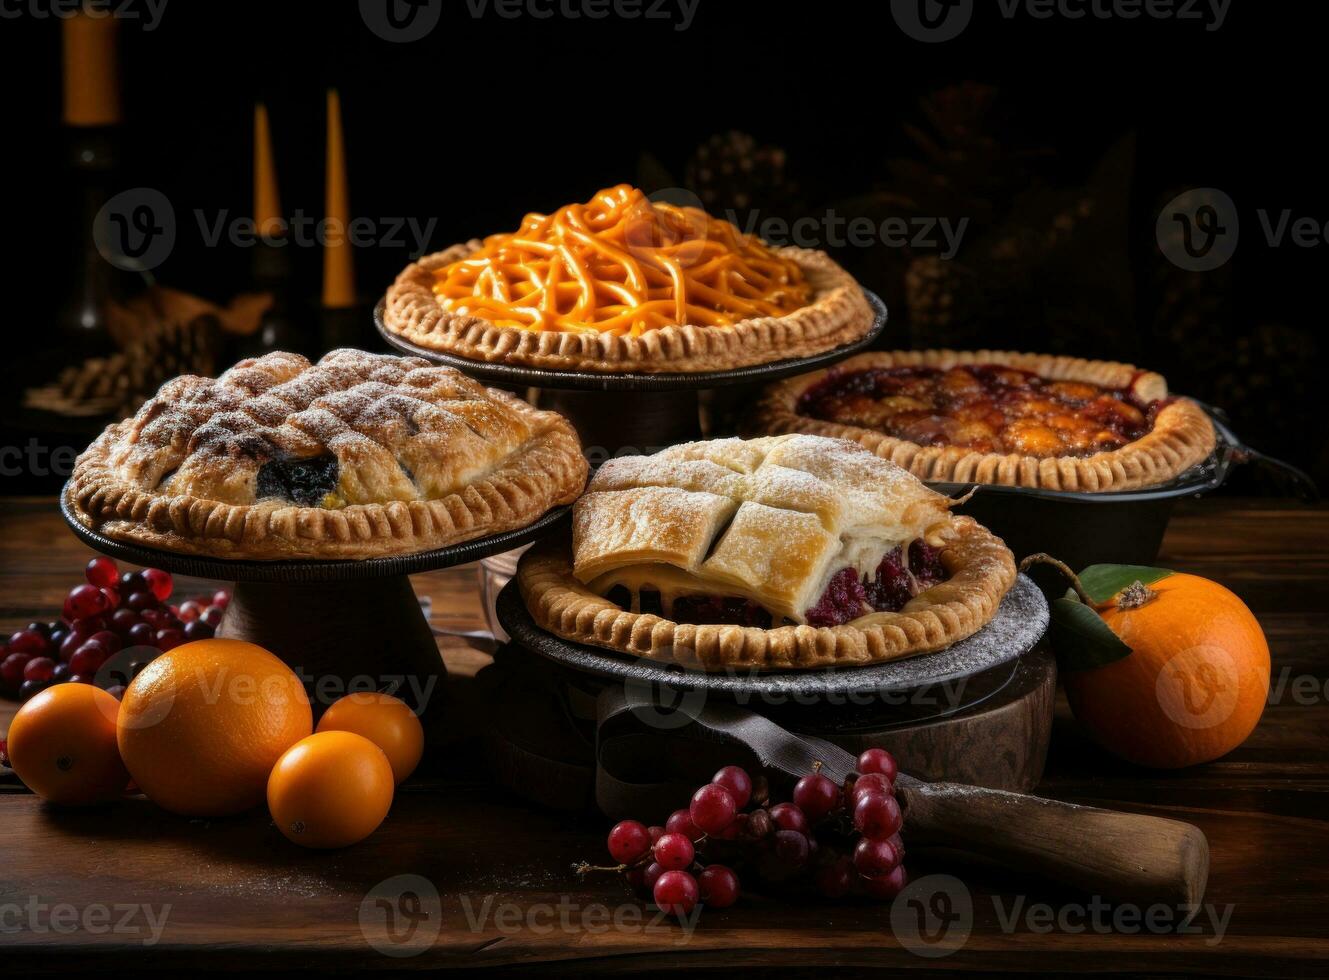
[(1030, 420), (359, 456), (792, 551), (622, 283)]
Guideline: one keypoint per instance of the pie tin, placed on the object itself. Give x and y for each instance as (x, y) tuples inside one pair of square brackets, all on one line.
[(519, 376), (309, 570)]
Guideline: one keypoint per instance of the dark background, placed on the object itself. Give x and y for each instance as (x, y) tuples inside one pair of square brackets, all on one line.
[(1060, 139)]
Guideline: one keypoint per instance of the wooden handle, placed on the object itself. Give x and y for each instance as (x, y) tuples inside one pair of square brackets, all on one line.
[(1124, 857)]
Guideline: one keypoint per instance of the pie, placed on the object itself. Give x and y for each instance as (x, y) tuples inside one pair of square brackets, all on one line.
[(357, 456), (1028, 420), (783, 552), (623, 283)]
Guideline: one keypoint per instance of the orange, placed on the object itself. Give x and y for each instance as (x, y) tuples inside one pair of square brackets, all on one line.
[(62, 745), (331, 789), (202, 725), (386, 721)]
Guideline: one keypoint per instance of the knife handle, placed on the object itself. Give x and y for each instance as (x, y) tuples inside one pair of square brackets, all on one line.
[(1126, 857)]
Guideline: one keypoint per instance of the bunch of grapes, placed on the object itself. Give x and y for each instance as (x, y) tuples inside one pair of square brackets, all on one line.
[(843, 839), (110, 613)]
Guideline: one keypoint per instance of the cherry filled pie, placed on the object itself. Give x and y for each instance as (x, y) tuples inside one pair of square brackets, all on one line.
[(358, 456), (624, 283), (790, 551), (1028, 420)]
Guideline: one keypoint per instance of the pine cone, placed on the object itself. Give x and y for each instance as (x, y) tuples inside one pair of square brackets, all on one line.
[(731, 172)]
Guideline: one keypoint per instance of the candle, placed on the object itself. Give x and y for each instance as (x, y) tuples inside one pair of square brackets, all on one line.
[(267, 205), (92, 86), (338, 268)]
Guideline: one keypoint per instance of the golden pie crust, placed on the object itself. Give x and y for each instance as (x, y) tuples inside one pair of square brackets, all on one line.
[(370, 455), (1181, 437), (713, 510), (838, 314)]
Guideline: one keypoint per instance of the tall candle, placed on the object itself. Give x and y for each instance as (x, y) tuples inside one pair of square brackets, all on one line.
[(267, 205), (92, 84), (338, 266)]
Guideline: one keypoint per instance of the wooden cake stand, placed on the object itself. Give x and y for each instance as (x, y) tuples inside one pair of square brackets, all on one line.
[(340, 625), (617, 414)]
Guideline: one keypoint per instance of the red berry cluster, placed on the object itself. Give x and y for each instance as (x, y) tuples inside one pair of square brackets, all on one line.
[(112, 612), (844, 839)]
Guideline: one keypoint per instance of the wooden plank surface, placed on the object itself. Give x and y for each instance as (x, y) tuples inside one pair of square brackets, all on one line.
[(131, 887)]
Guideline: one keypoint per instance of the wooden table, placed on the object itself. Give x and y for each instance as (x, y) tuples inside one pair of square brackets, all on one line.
[(129, 886)]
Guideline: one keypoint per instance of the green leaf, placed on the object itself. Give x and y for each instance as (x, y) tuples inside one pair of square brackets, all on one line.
[(1102, 582), (1080, 638)]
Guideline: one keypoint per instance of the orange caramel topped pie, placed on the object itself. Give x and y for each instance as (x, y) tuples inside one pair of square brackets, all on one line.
[(996, 417), (624, 283)]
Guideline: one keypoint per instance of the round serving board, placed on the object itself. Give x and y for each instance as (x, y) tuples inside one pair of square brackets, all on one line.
[(979, 712)]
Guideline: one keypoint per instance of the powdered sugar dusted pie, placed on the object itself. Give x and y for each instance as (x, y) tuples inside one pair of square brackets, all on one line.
[(1028, 420), (790, 551), (359, 456)]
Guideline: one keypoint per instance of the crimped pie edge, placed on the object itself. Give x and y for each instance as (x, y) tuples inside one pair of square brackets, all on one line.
[(1182, 436), (982, 568), (838, 314)]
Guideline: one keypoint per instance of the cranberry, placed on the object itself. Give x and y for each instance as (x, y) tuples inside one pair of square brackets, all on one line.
[(84, 628), (879, 761), (719, 886), (787, 816), (816, 795), (60, 674), (11, 669), (107, 639), (680, 822), (873, 858), (112, 597), (628, 841), (140, 601), (80, 679), (198, 630), (123, 619), (676, 892), (29, 689), (131, 582), (169, 639), (877, 817), (31, 642), (88, 658), (737, 781), (101, 572), (190, 611), (116, 691), (673, 852), (85, 601), (212, 616), (141, 635), (39, 669), (160, 583), (44, 629), (221, 599), (843, 600), (712, 808)]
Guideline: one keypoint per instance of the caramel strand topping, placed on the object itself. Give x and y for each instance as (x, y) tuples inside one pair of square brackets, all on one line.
[(621, 264)]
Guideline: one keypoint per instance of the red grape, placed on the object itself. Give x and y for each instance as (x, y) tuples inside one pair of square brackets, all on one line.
[(198, 630), (141, 635), (140, 601), (655, 832), (88, 658), (673, 852), (651, 875), (190, 611), (787, 816), (888, 885), (718, 885), (878, 760), (123, 619), (11, 669), (112, 597), (28, 689), (101, 572), (712, 808), (835, 878), (791, 849), (84, 601), (116, 691), (816, 795), (221, 599), (169, 639), (873, 858), (160, 583), (873, 782), (737, 781), (680, 822), (628, 841), (31, 642), (212, 615), (39, 669), (676, 892), (877, 817), (107, 639)]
